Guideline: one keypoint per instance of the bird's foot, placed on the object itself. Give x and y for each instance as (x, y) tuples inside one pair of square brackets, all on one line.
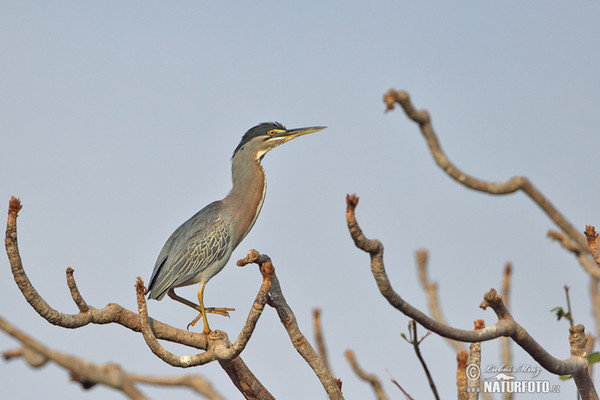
[(212, 310), (221, 311)]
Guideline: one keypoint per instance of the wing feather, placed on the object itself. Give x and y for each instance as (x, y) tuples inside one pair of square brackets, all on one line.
[(199, 243)]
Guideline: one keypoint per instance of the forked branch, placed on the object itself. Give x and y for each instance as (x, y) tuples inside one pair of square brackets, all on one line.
[(288, 319), (575, 365)]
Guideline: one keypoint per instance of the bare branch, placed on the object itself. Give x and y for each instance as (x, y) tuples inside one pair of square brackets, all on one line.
[(506, 325), (75, 294), (369, 378), (569, 310), (505, 343), (108, 374), (432, 295), (474, 359), (197, 383), (422, 118), (595, 295), (320, 340), (36, 355), (412, 326), (592, 240), (588, 263), (461, 375), (584, 382), (408, 396), (288, 319)]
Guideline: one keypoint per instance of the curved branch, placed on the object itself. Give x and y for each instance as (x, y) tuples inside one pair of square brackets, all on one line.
[(75, 294), (506, 325), (369, 378), (422, 118)]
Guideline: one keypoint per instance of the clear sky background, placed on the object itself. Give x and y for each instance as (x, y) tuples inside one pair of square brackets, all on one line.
[(118, 121)]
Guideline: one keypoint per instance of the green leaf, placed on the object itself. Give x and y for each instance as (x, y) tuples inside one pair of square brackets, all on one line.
[(565, 377), (593, 358), (560, 313)]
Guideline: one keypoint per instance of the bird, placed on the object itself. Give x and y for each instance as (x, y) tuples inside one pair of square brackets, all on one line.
[(201, 247)]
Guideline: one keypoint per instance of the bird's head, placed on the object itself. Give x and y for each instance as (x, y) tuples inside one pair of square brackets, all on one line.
[(264, 137)]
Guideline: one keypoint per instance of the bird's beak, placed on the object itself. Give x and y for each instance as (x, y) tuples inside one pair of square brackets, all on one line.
[(294, 133)]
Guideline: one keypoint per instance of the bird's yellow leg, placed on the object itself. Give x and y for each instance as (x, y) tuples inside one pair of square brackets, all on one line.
[(202, 310), (209, 310)]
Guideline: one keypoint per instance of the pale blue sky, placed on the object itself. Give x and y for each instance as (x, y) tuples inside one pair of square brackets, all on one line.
[(118, 121)]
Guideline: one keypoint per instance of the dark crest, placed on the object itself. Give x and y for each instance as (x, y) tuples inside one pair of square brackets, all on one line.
[(257, 131)]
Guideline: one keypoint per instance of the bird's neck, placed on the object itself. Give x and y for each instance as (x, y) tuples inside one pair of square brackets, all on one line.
[(246, 196)]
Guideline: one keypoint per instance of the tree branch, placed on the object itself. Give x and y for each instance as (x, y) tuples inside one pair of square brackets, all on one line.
[(88, 374), (369, 378), (219, 346), (422, 118), (588, 264), (109, 374), (288, 319), (412, 328), (592, 240), (320, 340), (506, 325), (432, 295)]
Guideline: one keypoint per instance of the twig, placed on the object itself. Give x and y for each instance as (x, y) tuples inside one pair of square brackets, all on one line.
[(569, 310), (288, 319), (412, 326), (320, 340), (461, 375), (474, 363), (369, 378), (595, 295), (408, 396), (505, 343), (592, 240), (588, 264), (432, 295)]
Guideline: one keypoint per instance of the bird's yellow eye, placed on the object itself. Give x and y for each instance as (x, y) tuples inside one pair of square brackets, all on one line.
[(271, 132)]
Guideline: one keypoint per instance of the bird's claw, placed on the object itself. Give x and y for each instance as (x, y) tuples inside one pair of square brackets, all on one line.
[(211, 310), (221, 311)]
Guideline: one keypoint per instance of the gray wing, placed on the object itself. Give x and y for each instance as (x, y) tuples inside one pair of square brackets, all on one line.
[(197, 244)]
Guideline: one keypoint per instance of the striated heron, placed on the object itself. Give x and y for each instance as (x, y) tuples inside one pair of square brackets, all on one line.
[(201, 246)]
